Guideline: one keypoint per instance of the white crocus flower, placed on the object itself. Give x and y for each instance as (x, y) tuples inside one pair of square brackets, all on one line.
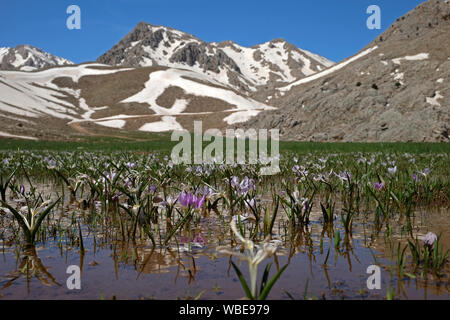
[(254, 255), (136, 208), (296, 195)]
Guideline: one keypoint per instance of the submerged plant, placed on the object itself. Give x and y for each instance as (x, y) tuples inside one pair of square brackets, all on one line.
[(31, 266), (31, 216), (430, 255)]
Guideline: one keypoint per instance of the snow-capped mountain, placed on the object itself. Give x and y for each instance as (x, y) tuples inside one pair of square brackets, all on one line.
[(395, 89), (161, 79), (96, 99), (270, 65), (28, 58)]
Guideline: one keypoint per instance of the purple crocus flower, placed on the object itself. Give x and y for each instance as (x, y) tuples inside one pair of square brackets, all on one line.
[(207, 191), (344, 175), (50, 162), (234, 181), (199, 239), (305, 204), (415, 178), (244, 186), (379, 185), (429, 239), (152, 188), (191, 200), (198, 202), (185, 199), (22, 190), (425, 172), (184, 239)]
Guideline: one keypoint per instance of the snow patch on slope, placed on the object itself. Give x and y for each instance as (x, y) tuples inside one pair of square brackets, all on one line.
[(33, 95), (161, 80), (420, 56), (433, 100), (241, 116), (118, 124), (8, 135), (328, 71), (167, 123)]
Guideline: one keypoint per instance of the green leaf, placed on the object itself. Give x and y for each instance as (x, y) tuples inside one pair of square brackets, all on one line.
[(149, 234), (179, 224), (305, 294), (19, 219), (62, 177), (289, 295), (81, 239), (269, 285), (326, 259), (127, 210), (324, 212), (274, 215), (42, 217), (265, 277)]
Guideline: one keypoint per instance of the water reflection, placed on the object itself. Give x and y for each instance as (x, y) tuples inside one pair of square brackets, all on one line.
[(31, 267)]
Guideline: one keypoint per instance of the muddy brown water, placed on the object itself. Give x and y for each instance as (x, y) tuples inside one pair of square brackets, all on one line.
[(114, 269)]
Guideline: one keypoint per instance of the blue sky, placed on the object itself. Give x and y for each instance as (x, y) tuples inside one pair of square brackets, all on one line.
[(335, 29)]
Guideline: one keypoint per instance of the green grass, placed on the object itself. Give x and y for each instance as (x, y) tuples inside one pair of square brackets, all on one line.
[(411, 147), (162, 143)]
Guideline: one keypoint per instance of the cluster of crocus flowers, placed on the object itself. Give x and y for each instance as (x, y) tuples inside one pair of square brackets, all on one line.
[(244, 186), (130, 165), (51, 163), (423, 173), (344, 176), (300, 170), (254, 255), (190, 200)]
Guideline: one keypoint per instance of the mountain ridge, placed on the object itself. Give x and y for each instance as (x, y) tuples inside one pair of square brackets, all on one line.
[(394, 89), (249, 69), (28, 58)]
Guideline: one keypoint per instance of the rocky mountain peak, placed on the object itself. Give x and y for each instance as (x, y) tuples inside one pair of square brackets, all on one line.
[(395, 89), (267, 65), (423, 19), (28, 58)]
